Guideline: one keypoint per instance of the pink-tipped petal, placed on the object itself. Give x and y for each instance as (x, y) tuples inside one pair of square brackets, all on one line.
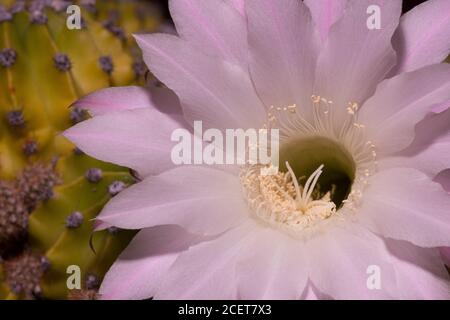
[(213, 26), (139, 139), (282, 50), (200, 199), (400, 103), (116, 99), (354, 58), (325, 13), (138, 271), (212, 90), (405, 204), (423, 36)]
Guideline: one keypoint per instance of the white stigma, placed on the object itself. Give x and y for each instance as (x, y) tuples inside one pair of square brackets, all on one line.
[(281, 201), (303, 198)]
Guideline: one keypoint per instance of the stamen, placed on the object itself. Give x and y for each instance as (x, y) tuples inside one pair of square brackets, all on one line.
[(279, 199)]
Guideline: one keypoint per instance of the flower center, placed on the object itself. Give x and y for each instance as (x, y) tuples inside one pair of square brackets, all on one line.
[(280, 200), (325, 163), (305, 155)]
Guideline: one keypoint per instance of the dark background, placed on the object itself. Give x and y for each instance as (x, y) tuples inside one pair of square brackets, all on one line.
[(407, 4)]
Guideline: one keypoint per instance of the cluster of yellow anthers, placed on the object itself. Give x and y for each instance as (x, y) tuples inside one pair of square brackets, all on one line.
[(271, 117), (279, 199)]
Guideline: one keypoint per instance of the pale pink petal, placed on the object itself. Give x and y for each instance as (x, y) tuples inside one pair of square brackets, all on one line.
[(325, 13), (354, 58), (138, 271), (207, 270), (400, 103), (214, 91), (239, 5), (423, 36), (405, 204), (200, 199), (128, 98), (282, 51), (430, 150), (138, 139), (272, 265), (341, 261), (116, 99), (213, 26), (420, 273)]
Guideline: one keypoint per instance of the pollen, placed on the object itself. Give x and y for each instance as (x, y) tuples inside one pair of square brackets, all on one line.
[(279, 199)]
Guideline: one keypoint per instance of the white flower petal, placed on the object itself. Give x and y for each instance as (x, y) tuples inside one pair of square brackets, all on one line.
[(201, 199), (139, 138), (138, 271), (423, 36), (404, 204), (213, 26), (400, 103), (220, 94)]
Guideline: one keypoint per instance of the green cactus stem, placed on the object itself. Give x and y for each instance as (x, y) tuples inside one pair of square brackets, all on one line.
[(50, 192)]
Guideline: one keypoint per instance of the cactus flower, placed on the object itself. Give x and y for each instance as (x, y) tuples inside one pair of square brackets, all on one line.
[(354, 211)]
